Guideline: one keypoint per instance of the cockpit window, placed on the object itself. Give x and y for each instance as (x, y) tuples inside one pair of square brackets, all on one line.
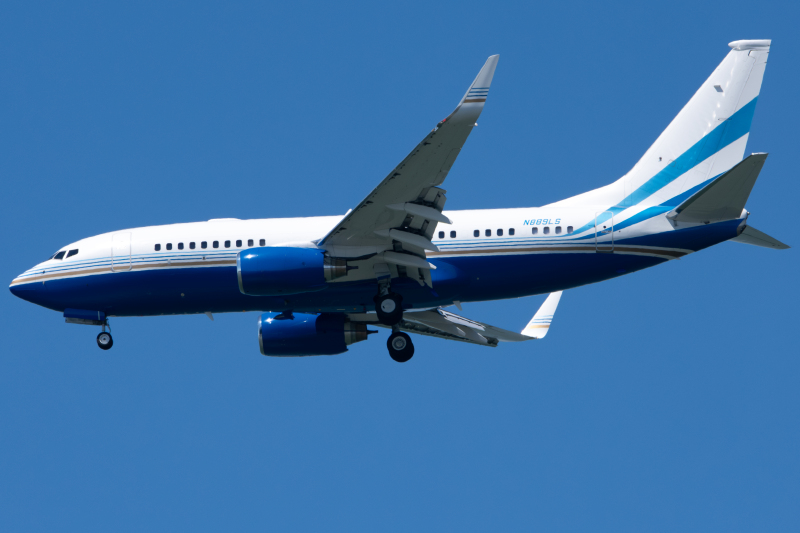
[(72, 252), (60, 255)]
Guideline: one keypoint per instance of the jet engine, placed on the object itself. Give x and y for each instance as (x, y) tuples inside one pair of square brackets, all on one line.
[(305, 334), (280, 270)]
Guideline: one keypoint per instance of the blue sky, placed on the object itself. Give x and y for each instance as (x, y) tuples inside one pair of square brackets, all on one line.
[(661, 401)]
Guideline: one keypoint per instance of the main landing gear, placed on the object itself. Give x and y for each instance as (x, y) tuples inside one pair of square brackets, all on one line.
[(401, 349), (104, 340), (389, 308), (388, 305)]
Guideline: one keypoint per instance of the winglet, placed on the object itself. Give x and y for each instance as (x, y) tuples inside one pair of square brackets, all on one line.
[(539, 325), (479, 90)]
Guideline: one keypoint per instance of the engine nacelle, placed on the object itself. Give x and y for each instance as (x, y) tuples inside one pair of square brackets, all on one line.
[(325, 334), (280, 270)]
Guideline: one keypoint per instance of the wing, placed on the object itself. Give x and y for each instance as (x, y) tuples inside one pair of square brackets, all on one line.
[(397, 219), (446, 325)]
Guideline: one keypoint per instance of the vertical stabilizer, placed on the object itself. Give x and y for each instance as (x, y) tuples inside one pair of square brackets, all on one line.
[(706, 139)]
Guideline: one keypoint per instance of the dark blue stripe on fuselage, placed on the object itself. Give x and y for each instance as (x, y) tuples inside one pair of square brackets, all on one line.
[(196, 290), (215, 289)]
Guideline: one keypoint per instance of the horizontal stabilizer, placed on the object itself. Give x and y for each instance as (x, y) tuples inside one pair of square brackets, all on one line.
[(725, 197), (751, 235)]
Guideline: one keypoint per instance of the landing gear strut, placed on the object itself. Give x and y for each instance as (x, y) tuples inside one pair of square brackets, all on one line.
[(104, 340), (400, 347), (388, 306)]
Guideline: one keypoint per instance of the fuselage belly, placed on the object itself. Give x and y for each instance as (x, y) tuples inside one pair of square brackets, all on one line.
[(490, 274)]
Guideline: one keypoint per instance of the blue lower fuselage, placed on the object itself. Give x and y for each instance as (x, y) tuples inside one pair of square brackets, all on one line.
[(458, 277)]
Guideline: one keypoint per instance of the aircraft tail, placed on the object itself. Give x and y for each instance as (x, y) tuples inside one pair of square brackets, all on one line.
[(706, 139)]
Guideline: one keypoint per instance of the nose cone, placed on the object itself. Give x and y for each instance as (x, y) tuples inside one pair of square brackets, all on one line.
[(26, 291), (28, 286)]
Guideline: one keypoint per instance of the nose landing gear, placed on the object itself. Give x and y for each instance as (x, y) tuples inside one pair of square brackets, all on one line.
[(104, 339), (92, 318)]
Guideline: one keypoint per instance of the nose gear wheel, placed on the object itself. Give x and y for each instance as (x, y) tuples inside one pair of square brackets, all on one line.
[(104, 341)]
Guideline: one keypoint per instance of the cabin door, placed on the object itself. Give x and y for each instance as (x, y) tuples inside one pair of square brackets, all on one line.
[(604, 232), (121, 251)]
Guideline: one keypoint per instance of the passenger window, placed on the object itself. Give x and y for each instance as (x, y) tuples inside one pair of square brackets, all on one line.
[(441, 235), (249, 242), (227, 244), (476, 233), (569, 229), (60, 255), (191, 245), (500, 232), (262, 242), (72, 252), (215, 244), (180, 246), (239, 243), (158, 247), (558, 230), (488, 233), (169, 246), (546, 230), (511, 231), (452, 234), (534, 230)]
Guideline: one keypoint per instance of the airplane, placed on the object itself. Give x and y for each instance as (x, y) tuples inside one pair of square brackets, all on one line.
[(397, 259)]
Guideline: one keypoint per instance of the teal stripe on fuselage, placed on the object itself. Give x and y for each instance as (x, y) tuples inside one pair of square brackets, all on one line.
[(675, 201), (650, 212), (734, 128)]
